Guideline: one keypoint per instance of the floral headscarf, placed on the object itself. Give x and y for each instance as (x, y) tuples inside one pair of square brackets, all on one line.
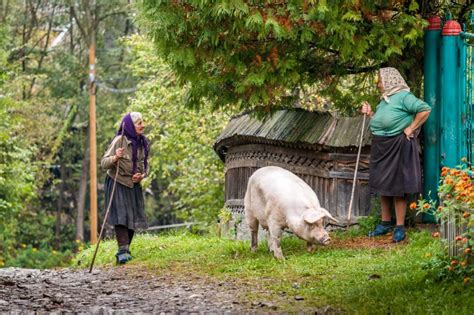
[(392, 82)]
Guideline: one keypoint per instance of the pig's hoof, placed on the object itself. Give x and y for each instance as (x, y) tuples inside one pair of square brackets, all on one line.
[(311, 249), (279, 256)]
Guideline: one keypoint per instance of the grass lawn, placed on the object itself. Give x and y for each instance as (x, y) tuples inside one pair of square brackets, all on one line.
[(365, 279)]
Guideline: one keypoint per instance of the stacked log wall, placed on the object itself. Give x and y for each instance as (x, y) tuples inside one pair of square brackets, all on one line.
[(329, 174)]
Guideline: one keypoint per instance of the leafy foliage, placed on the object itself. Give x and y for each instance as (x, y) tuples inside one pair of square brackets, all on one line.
[(182, 154), (257, 54), (17, 186), (45, 111)]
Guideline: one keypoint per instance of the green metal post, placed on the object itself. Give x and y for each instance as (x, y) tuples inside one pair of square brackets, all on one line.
[(431, 153), (467, 109), (450, 95), (463, 98)]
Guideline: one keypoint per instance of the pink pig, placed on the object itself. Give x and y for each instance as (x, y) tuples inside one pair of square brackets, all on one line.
[(278, 199)]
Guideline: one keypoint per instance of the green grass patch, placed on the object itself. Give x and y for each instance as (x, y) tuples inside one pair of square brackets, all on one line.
[(390, 280)]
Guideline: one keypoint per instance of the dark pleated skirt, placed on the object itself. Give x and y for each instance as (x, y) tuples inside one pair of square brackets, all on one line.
[(128, 206), (394, 166)]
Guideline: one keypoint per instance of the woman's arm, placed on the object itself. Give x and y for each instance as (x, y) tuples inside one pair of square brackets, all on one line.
[(419, 120), (110, 158)]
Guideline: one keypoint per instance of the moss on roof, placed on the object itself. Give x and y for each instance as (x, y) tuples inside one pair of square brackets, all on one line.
[(293, 127)]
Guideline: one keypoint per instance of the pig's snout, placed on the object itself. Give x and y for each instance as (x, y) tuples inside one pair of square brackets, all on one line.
[(325, 240)]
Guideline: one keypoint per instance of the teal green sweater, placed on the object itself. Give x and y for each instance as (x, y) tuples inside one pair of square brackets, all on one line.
[(392, 118)]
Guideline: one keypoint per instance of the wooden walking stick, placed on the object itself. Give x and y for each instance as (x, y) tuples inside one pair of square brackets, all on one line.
[(110, 204), (355, 172)]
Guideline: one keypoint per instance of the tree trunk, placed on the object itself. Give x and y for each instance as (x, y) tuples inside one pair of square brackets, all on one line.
[(71, 31), (81, 200), (59, 209)]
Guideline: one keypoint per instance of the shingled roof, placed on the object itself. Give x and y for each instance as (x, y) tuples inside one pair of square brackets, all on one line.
[(293, 127)]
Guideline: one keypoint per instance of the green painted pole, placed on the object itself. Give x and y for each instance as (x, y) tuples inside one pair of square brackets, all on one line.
[(450, 126), (431, 155), (462, 140)]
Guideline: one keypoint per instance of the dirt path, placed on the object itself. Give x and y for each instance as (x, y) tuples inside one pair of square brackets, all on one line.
[(114, 290)]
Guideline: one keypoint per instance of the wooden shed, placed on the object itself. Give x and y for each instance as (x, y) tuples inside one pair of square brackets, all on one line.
[(318, 147)]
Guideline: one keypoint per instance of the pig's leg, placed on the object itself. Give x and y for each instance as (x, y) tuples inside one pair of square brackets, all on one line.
[(310, 247), (253, 226), (275, 241), (269, 242)]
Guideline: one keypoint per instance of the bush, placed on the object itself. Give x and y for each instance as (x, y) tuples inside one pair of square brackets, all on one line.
[(42, 258), (456, 194)]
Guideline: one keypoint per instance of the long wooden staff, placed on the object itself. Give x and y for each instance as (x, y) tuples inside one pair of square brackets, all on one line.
[(110, 204), (355, 172)]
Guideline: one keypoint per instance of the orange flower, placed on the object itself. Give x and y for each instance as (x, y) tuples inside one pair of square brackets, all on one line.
[(444, 171), (440, 208), (436, 234), (458, 238), (466, 215), (426, 206), (467, 250), (413, 205), (454, 262), (464, 263), (466, 280)]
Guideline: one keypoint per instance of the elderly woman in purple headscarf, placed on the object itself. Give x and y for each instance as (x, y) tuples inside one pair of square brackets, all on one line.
[(130, 153), (394, 160)]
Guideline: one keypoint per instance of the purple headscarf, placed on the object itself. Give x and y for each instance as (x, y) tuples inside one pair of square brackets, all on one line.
[(137, 140)]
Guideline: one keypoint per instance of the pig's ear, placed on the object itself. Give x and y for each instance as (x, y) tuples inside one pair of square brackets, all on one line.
[(327, 214), (311, 216)]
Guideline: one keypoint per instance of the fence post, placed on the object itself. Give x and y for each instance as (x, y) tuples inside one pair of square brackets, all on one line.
[(450, 100), (451, 103), (431, 151)]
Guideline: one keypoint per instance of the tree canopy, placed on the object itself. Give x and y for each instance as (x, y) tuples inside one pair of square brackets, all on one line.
[(261, 54)]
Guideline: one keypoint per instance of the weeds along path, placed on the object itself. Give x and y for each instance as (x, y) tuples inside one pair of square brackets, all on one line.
[(113, 290)]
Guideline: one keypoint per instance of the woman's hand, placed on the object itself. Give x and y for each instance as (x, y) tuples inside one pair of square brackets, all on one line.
[(118, 154), (409, 132), (137, 177), (420, 118), (366, 109)]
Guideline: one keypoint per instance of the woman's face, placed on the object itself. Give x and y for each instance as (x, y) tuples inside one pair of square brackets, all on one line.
[(139, 127), (379, 83)]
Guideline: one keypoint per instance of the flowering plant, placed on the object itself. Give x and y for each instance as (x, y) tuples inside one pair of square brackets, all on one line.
[(456, 195)]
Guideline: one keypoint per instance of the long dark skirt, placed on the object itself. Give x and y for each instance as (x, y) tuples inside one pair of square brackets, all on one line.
[(394, 166), (128, 207)]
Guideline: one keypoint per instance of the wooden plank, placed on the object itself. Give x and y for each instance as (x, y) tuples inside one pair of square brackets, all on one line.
[(314, 134), (349, 175), (332, 202)]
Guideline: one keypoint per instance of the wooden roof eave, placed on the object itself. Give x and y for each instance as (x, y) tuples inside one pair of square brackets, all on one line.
[(293, 128)]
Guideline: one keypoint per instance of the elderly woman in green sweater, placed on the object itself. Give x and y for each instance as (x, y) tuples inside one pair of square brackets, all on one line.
[(395, 169)]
